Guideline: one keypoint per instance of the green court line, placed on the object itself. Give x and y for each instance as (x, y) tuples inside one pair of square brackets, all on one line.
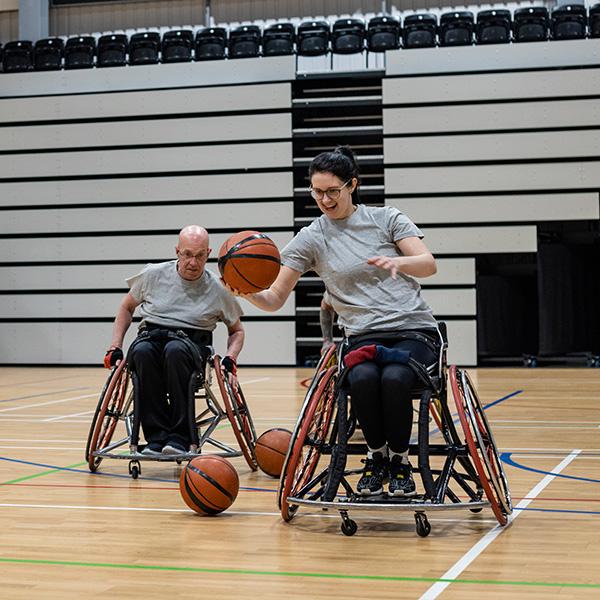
[(299, 574), (48, 472)]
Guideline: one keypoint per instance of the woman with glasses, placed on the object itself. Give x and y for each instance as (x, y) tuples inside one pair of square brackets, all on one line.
[(368, 258)]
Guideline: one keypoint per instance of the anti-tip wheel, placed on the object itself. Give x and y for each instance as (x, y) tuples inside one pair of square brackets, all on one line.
[(349, 527), (422, 523)]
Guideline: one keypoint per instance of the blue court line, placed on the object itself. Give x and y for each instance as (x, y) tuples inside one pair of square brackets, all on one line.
[(456, 419), (506, 457), (98, 473)]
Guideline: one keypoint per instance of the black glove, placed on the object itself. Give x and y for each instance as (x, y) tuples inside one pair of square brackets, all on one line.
[(229, 364), (112, 356)]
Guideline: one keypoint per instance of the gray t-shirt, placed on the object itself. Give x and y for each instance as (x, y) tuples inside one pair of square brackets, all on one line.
[(169, 300), (365, 297)]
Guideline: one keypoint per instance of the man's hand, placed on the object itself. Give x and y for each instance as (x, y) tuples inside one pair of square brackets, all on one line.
[(326, 345), (112, 356)]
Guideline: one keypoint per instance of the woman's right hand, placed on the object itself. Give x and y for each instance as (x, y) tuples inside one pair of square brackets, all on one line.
[(235, 292)]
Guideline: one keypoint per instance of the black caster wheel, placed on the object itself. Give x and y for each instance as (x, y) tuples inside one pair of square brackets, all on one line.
[(135, 469), (476, 510), (349, 527), (423, 526)]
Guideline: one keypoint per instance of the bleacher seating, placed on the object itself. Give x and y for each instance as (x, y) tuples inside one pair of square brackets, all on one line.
[(244, 41), (47, 54), (568, 22), (456, 28), (419, 31), (313, 38), (112, 50), (594, 21), (349, 34), (530, 24), (211, 43), (278, 39), (18, 56), (383, 34), (493, 27), (144, 48), (80, 52), (177, 46)]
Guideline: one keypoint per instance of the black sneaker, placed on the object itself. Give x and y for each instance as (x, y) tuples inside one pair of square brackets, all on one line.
[(152, 449), (374, 474), (401, 480)]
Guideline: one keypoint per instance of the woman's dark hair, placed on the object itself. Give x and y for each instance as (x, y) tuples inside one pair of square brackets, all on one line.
[(341, 162)]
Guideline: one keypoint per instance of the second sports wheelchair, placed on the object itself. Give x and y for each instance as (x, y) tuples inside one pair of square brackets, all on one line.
[(117, 403), (468, 473)]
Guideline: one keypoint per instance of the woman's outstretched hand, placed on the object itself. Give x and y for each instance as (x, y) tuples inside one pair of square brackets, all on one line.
[(386, 262), (233, 291)]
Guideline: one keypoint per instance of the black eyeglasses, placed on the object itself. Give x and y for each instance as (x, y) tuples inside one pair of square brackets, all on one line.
[(333, 193)]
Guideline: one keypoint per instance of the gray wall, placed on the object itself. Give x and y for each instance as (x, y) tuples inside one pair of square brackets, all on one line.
[(98, 174), (482, 143)]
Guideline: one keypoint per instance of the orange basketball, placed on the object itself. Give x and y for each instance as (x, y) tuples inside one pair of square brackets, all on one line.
[(209, 484), (271, 448), (249, 262)]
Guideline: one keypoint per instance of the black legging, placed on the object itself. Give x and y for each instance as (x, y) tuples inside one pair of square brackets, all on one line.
[(381, 396), (164, 366)]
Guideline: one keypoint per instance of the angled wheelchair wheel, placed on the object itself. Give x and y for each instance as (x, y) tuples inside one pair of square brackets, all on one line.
[(481, 444), (309, 437), (110, 408), (238, 414)]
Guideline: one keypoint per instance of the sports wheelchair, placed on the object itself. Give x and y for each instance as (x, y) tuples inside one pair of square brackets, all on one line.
[(117, 403), (470, 465)]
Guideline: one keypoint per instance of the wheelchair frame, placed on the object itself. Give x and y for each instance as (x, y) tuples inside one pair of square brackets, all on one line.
[(323, 429), (116, 403)]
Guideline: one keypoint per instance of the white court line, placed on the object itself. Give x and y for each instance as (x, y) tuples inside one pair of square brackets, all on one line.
[(79, 414), (255, 380), (183, 510), (23, 420), (544, 427), (5, 410), (437, 588), (55, 441), (538, 421), (38, 448)]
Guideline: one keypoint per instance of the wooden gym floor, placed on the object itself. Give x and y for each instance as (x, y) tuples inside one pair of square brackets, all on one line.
[(67, 533)]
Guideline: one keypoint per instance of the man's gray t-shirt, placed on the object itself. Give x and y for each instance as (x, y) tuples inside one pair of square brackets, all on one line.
[(365, 297), (171, 301)]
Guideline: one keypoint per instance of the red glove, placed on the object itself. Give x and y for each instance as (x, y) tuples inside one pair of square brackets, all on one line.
[(360, 355), (113, 354)]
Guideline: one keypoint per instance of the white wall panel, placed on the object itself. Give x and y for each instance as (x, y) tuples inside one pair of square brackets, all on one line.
[(496, 209), (93, 305), (155, 102), (148, 189), (148, 160), (493, 178), (462, 342), (524, 115), (449, 302), (492, 147), (267, 343), (149, 248), (219, 72), (450, 271), (161, 131), (494, 86), (232, 215), (482, 239), (493, 57)]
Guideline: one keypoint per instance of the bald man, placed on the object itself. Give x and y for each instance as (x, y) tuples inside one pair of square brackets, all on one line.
[(174, 296)]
